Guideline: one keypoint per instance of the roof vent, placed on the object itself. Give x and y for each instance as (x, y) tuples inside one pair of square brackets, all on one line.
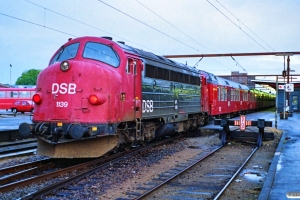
[(106, 37), (122, 42)]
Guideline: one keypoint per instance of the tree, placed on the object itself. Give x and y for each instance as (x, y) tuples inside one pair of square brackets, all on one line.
[(28, 77)]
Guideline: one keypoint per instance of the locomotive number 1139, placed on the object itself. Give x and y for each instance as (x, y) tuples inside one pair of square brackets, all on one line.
[(61, 104)]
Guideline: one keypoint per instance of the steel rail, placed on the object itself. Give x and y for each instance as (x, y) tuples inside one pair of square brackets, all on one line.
[(11, 149), (24, 166), (32, 171), (171, 178), (20, 142), (236, 173), (108, 161)]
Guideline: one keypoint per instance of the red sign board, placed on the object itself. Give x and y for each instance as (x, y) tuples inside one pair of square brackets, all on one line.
[(243, 123)]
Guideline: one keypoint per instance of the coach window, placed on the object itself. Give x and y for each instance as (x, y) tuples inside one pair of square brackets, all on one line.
[(238, 95), (228, 94), (219, 93), (102, 53), (233, 94), (245, 96), (222, 93), (225, 94)]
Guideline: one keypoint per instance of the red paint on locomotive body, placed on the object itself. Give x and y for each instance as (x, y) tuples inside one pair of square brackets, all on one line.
[(65, 94)]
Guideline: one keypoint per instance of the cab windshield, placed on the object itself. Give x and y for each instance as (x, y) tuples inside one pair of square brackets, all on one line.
[(101, 52), (65, 53)]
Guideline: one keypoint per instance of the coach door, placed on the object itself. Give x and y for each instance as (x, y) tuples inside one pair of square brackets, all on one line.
[(295, 103), (138, 88)]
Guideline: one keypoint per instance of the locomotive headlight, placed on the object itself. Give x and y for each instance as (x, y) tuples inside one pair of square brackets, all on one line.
[(37, 98), (93, 99), (97, 99), (64, 66)]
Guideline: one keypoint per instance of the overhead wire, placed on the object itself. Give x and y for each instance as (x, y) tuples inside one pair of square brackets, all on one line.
[(236, 25), (155, 28), (83, 23), (114, 34), (98, 28), (188, 35), (238, 64), (172, 25), (169, 36), (181, 32), (33, 23), (245, 25)]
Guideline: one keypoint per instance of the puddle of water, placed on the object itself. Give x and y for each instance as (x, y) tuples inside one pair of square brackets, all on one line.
[(279, 165), (253, 175)]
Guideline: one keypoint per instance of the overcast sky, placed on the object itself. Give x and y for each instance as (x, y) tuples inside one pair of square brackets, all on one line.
[(31, 31)]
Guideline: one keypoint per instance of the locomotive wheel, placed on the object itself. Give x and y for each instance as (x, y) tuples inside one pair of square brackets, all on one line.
[(143, 144), (126, 147)]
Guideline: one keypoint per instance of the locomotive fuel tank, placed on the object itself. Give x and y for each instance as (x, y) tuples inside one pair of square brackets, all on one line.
[(166, 130)]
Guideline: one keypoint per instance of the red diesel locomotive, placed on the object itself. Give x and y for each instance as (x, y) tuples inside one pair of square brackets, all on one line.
[(97, 95)]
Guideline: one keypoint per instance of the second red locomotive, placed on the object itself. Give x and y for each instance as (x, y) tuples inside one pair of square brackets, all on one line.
[(97, 95)]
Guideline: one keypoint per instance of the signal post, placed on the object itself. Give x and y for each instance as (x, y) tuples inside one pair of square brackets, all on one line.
[(243, 123)]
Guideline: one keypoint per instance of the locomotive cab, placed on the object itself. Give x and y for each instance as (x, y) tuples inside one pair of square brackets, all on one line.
[(79, 96)]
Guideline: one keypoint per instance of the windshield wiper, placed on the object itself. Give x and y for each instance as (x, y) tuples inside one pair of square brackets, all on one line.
[(59, 54)]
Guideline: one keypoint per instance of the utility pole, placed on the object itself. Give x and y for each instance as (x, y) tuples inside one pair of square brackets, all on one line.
[(10, 75), (288, 79)]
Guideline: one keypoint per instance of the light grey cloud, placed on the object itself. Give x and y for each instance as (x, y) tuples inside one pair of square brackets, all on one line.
[(31, 31)]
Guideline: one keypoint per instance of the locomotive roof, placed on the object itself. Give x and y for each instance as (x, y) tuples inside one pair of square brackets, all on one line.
[(154, 57), (211, 77), (222, 81)]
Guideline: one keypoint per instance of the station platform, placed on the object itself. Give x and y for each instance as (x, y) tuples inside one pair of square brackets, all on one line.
[(283, 178), (11, 121)]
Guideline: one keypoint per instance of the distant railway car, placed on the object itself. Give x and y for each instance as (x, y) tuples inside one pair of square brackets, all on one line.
[(225, 97), (8, 96), (98, 95)]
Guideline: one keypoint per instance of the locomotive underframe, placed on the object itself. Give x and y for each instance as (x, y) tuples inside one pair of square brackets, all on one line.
[(134, 133), (82, 140)]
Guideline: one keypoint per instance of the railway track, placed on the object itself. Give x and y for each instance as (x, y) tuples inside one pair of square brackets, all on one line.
[(76, 179), (60, 179), (21, 147), (195, 179), (12, 135)]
